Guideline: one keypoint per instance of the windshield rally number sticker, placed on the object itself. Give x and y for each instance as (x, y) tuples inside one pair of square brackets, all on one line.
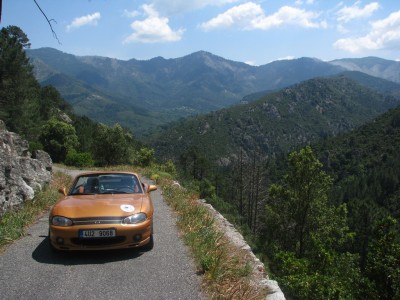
[(127, 208)]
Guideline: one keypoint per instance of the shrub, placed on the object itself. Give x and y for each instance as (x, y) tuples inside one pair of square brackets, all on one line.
[(207, 190), (77, 159), (145, 157), (35, 146), (169, 167)]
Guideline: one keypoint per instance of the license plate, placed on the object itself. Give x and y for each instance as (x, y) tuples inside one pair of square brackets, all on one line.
[(97, 233)]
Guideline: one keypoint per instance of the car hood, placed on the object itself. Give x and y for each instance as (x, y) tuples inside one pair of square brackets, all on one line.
[(101, 205)]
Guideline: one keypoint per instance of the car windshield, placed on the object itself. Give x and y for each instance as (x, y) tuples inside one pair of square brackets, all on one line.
[(106, 184)]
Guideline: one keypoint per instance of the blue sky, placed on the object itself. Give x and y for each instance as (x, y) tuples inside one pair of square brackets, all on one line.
[(255, 32)]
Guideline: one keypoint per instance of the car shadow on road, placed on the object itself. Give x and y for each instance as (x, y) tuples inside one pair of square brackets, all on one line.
[(44, 254)]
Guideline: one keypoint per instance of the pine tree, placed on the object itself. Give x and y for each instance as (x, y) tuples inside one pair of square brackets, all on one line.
[(306, 234), (18, 87)]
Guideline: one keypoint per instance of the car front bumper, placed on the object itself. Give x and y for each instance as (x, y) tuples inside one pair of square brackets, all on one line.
[(127, 236)]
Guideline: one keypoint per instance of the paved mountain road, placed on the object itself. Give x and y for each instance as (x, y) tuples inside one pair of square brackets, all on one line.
[(30, 270)]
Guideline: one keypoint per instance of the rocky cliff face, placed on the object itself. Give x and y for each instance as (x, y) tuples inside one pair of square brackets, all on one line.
[(22, 174)]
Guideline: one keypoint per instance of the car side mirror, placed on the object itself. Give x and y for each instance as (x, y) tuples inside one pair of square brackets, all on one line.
[(151, 188), (63, 191)]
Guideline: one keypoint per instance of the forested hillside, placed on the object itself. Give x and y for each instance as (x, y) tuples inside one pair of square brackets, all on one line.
[(45, 119), (326, 216), (319, 249), (359, 171), (377, 84), (297, 115), (365, 167)]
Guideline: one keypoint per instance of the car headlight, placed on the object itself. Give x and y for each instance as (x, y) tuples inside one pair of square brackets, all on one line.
[(134, 219), (61, 221)]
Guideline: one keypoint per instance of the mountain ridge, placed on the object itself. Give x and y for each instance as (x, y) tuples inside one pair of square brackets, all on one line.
[(276, 123), (159, 90)]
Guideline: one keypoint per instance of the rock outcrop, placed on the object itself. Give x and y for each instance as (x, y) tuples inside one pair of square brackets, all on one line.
[(22, 174)]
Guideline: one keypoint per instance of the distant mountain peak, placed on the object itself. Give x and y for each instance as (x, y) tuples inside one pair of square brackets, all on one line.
[(374, 66), (199, 82)]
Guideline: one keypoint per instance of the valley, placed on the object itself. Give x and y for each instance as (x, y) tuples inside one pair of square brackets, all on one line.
[(300, 155)]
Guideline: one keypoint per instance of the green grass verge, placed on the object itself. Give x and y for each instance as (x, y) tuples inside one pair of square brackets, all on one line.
[(226, 271), (13, 223)]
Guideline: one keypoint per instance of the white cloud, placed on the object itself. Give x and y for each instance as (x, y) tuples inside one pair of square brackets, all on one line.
[(287, 15), (348, 13), (153, 29), (84, 20), (130, 14), (237, 15), (251, 16), (289, 57), (250, 63), (355, 45), (384, 34)]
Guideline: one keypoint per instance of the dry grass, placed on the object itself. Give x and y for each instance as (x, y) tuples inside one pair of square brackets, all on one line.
[(226, 272), (14, 223)]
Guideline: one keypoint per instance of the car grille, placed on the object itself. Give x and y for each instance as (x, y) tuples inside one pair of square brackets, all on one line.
[(98, 241), (97, 220)]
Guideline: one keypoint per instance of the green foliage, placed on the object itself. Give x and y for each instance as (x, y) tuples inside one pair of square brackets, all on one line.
[(82, 159), (24, 106), (364, 214), (206, 189), (194, 163), (276, 123), (301, 279), (112, 145), (58, 138), (366, 166), (51, 103), (300, 207), (384, 259), (145, 157), (366, 162), (85, 130), (305, 234), (35, 146), (170, 168), (18, 87), (229, 211)]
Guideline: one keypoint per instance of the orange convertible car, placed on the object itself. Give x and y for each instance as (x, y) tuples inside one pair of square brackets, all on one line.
[(103, 210)]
